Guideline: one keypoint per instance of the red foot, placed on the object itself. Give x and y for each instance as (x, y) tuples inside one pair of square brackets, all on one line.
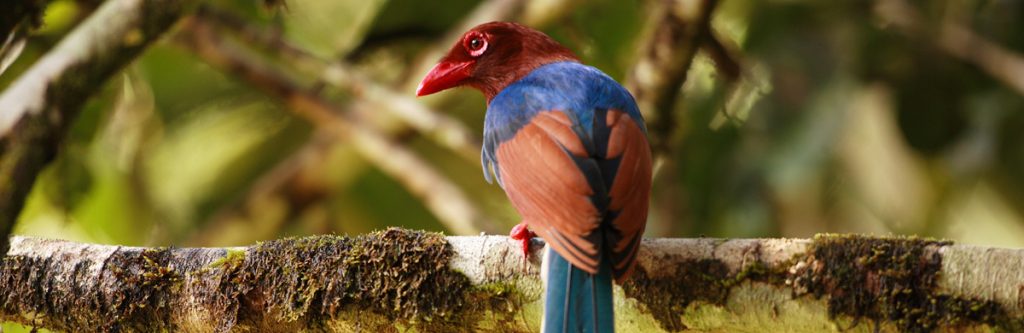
[(522, 234)]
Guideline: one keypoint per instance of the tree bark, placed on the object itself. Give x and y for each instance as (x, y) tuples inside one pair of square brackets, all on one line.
[(398, 279)]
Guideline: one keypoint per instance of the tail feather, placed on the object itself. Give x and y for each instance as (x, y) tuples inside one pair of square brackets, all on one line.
[(574, 300)]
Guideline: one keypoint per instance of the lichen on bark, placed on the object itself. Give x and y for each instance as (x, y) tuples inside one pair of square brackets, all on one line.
[(891, 280), (867, 283), (388, 279), (381, 281), (135, 285), (666, 298)]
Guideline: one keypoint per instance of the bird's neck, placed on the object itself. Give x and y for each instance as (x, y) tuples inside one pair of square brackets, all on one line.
[(493, 84)]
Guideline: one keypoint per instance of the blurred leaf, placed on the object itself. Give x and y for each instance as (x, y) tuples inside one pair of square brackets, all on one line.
[(388, 203), (205, 157), (59, 17), (71, 178), (328, 28), (182, 83)]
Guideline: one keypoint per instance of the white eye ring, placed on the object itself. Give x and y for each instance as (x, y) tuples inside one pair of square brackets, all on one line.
[(478, 49)]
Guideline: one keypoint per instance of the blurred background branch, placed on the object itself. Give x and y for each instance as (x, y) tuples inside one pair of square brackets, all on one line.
[(17, 19), (37, 109), (292, 180), (445, 130), (444, 199), (674, 35), (956, 40)]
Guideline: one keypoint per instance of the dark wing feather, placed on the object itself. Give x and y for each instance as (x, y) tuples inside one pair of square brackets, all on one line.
[(630, 190)]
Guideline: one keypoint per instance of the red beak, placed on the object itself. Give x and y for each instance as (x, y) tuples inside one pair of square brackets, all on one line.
[(444, 75)]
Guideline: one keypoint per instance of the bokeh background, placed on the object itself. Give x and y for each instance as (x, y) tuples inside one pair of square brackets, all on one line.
[(802, 117)]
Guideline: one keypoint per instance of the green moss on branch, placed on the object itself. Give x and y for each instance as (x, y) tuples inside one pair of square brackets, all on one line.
[(135, 296), (889, 282), (892, 280), (394, 277)]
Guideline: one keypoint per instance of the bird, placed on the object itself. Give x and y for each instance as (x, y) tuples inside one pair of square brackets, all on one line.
[(568, 145)]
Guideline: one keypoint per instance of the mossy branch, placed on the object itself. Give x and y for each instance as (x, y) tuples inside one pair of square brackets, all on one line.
[(398, 279)]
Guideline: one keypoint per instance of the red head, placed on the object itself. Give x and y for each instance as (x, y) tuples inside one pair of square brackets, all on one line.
[(491, 56)]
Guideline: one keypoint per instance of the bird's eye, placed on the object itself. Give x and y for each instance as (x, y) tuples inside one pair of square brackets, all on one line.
[(476, 44)]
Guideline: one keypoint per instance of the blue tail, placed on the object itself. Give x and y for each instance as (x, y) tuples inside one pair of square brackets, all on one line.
[(577, 301)]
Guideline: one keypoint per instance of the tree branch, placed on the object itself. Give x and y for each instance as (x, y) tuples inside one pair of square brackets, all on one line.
[(36, 110), (674, 35), (724, 58), (399, 279)]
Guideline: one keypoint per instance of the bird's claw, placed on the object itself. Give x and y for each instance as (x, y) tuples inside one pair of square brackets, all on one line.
[(522, 234)]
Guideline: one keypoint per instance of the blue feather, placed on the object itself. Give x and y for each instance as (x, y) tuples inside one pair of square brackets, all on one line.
[(574, 300), (569, 87)]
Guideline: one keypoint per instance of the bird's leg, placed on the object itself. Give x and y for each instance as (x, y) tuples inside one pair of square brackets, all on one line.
[(522, 234)]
